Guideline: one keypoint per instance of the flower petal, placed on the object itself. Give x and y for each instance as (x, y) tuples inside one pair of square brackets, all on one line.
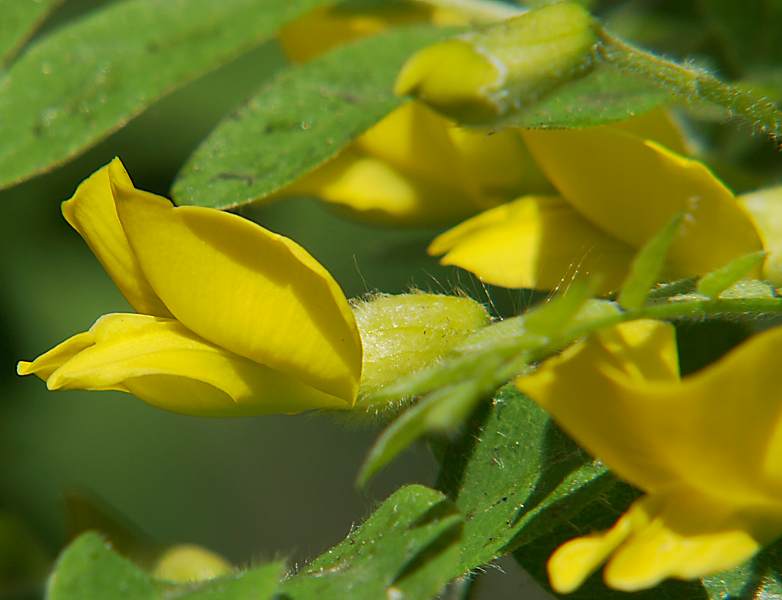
[(91, 211), (417, 168), (686, 536), (655, 431), (534, 242), (372, 190), (574, 561), (593, 390), (168, 366), (50, 361), (658, 125), (631, 187), (678, 533), (765, 209), (325, 27), (246, 289)]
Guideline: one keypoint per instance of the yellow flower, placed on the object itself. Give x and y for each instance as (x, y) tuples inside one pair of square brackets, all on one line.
[(417, 168), (325, 27), (617, 189), (706, 450), (186, 563), (414, 167), (765, 209), (234, 318)]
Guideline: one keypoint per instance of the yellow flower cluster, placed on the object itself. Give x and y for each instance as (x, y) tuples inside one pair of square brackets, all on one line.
[(233, 319), (560, 204)]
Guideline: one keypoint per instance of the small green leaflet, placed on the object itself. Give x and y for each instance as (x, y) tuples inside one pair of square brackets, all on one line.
[(407, 549), (515, 475), (88, 78), (90, 570), (648, 265), (299, 120), (603, 95)]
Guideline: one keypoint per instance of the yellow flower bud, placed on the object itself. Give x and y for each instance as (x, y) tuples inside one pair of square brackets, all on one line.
[(188, 562), (326, 27), (484, 74)]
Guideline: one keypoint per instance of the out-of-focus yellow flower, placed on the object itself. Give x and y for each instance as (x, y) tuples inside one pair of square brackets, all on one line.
[(236, 319), (414, 167), (185, 563), (765, 209), (325, 27), (706, 450), (618, 188), (418, 168)]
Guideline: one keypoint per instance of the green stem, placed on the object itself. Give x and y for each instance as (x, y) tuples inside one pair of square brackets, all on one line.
[(690, 309), (692, 85)]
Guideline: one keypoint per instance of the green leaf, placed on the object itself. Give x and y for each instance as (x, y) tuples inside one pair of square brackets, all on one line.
[(441, 410), (648, 265), (714, 283), (19, 22), (259, 583), (760, 578), (89, 570), (603, 95), (299, 120), (88, 78), (551, 317), (407, 549), (515, 476)]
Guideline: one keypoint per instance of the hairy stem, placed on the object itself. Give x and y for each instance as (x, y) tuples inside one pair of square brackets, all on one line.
[(693, 85)]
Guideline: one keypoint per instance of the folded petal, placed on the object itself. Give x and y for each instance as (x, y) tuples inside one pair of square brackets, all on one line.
[(416, 167), (590, 390), (372, 190), (166, 365), (765, 209), (91, 211), (246, 289), (687, 536), (656, 431), (50, 361), (325, 27), (677, 533), (534, 242), (574, 561), (631, 187), (657, 125)]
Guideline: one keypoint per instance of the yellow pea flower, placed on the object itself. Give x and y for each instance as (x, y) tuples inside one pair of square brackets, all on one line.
[(706, 450), (416, 167), (617, 189), (325, 27), (234, 319)]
